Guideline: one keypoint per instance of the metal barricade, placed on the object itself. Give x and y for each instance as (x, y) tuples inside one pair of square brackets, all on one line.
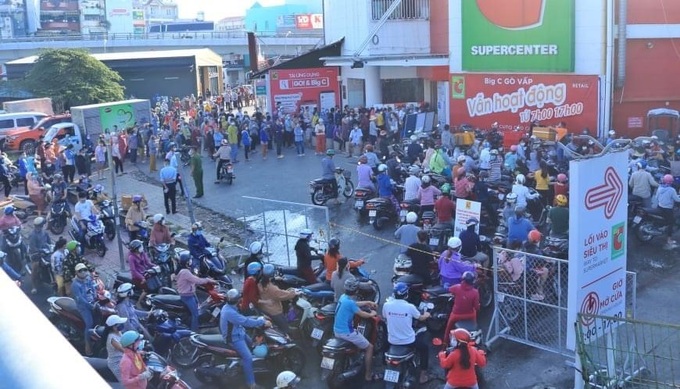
[(278, 226), (531, 297), (618, 352)]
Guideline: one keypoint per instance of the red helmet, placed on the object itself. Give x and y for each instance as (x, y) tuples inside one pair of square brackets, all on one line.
[(562, 178), (461, 335), (667, 179), (535, 236)]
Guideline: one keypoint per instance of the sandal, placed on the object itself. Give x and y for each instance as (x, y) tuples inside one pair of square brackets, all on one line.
[(375, 377)]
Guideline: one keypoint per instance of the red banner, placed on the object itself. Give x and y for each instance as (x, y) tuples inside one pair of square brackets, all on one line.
[(315, 88), (518, 99)]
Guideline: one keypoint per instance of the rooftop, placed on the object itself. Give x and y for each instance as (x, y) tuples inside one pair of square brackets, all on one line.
[(205, 54)]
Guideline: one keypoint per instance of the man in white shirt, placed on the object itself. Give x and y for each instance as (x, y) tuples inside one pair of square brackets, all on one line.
[(412, 184), (83, 209), (399, 315)]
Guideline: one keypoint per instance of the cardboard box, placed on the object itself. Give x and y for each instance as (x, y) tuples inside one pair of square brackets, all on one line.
[(464, 138), (126, 202), (545, 133)]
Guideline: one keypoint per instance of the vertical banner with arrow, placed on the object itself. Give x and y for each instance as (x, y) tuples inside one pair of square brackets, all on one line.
[(598, 200)]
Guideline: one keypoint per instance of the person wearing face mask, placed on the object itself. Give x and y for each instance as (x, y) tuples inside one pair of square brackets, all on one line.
[(160, 233), (83, 209), (186, 287), (139, 263), (84, 293), (134, 217), (114, 351), (134, 373), (197, 243), (427, 194)]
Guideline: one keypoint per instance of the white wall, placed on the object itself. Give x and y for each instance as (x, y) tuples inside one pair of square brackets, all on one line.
[(401, 37), (348, 19), (396, 72)]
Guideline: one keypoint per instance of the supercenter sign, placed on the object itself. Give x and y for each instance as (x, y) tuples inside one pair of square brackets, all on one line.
[(518, 35)]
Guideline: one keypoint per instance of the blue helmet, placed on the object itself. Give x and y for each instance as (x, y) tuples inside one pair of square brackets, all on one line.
[(400, 290), (184, 258), (268, 270), (642, 164), (9, 210), (253, 268), (129, 338)]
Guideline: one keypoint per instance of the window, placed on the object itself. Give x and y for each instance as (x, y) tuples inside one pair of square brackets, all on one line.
[(407, 10), (25, 122), (5, 124), (403, 90)]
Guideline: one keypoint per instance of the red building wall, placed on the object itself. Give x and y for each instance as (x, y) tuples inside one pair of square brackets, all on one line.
[(439, 26)]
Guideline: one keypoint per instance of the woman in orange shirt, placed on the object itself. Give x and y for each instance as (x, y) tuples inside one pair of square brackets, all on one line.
[(460, 363), (332, 256)]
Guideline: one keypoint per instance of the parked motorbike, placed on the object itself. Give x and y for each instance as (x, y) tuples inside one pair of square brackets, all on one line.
[(25, 206), (211, 264), (166, 333), (108, 218), (321, 190), (341, 361), (650, 223), (208, 310), (221, 364), (59, 214), (442, 302), (164, 257), (42, 256), (93, 238), (13, 245), (361, 195), (164, 375), (227, 173)]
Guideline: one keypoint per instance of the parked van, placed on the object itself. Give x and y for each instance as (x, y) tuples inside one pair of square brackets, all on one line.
[(11, 121)]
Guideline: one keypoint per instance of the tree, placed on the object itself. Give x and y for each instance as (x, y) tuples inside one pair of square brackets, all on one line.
[(72, 77)]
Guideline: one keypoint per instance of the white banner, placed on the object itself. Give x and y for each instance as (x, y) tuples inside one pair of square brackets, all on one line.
[(466, 209), (598, 197)]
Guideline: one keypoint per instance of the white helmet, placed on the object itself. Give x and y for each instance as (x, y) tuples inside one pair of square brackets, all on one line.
[(125, 290), (286, 379), (425, 179), (454, 242), (612, 132), (411, 217), (461, 158), (511, 198), (414, 170), (157, 218), (255, 247), (320, 121), (306, 233), (520, 179), (382, 167)]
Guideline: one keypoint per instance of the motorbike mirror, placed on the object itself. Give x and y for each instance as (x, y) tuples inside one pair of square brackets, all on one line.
[(173, 234), (437, 342)]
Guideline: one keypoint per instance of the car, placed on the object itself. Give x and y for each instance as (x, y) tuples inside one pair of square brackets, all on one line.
[(25, 138)]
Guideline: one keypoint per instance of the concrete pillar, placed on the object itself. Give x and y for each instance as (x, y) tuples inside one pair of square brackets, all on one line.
[(372, 85)]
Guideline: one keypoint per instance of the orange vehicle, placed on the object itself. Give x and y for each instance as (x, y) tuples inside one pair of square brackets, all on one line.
[(26, 139)]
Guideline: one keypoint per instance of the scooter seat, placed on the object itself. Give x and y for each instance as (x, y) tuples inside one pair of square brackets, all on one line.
[(328, 309), (469, 325), (289, 270), (428, 215), (22, 198), (167, 290), (652, 211), (167, 299), (398, 351), (380, 200), (411, 279), (318, 287), (436, 290), (124, 276), (67, 304), (336, 343), (215, 340)]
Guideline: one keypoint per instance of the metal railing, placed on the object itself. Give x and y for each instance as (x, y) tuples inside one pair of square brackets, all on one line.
[(407, 10)]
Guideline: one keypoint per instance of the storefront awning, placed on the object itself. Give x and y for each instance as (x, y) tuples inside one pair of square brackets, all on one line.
[(389, 60), (310, 59)]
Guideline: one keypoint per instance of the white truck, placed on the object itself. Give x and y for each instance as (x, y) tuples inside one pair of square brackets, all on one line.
[(95, 119)]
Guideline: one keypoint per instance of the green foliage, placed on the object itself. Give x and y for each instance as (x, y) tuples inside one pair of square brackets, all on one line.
[(72, 77)]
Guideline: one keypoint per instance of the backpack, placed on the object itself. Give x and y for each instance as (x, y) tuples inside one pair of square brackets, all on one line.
[(245, 138)]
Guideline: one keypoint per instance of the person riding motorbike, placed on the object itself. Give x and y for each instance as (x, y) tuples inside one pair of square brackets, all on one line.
[(444, 207), (427, 194), (232, 328), (399, 315), (511, 159), (134, 216), (114, 351), (407, 233), (125, 308), (287, 380), (414, 151), (518, 228), (304, 256), (460, 363), (59, 188), (393, 167), (98, 194), (667, 197), (509, 207), (186, 287), (466, 303), (385, 187), (134, 374), (38, 240), (451, 266), (9, 219), (251, 294), (365, 174), (412, 184), (271, 297), (332, 256), (256, 255), (83, 209), (343, 327), (537, 265), (471, 245), (522, 192), (558, 217), (197, 243), (328, 172), (561, 187), (642, 184), (139, 263), (160, 233), (495, 166), (224, 154), (440, 163), (481, 193), (73, 258), (421, 257), (84, 294)]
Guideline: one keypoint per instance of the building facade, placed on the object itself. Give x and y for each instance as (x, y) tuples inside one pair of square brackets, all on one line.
[(59, 17), (93, 19), (293, 16), (157, 11), (231, 24), (13, 19)]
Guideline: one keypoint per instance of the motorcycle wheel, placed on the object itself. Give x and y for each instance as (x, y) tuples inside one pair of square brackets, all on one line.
[(378, 223), (485, 295), (230, 179), (205, 364), (184, 354), (642, 232), (57, 227), (511, 309), (101, 249), (381, 337), (110, 230), (318, 198), (293, 359), (349, 189)]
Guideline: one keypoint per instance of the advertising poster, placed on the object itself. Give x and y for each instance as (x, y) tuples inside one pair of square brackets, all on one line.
[(121, 115), (294, 88), (309, 21), (598, 196), (120, 14), (519, 99), (465, 210), (518, 35)]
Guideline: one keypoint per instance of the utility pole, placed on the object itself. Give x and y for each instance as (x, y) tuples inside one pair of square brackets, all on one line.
[(187, 196), (114, 199)]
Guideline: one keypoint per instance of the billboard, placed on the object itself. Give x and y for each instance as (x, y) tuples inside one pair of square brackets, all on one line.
[(598, 216), (518, 35), (120, 15), (309, 21), (294, 88), (519, 99), (121, 115)]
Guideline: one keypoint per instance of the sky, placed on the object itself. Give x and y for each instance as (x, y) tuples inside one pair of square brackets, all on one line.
[(218, 9)]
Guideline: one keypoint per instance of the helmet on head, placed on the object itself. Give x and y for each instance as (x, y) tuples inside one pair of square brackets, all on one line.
[(9, 210), (414, 170), (225, 142), (286, 379), (425, 179), (382, 167), (535, 236), (58, 177), (351, 285), (129, 338), (39, 222), (268, 270), (255, 248), (400, 290), (124, 290), (471, 222), (320, 120), (184, 258), (642, 164), (334, 243), (98, 188), (454, 242), (233, 295), (667, 179), (612, 132), (135, 244), (520, 179), (157, 218), (513, 148), (562, 178), (461, 335), (72, 245), (411, 217), (330, 152), (493, 152), (115, 320), (306, 233), (511, 198), (446, 188), (561, 200), (468, 277), (461, 159), (253, 268), (137, 199)]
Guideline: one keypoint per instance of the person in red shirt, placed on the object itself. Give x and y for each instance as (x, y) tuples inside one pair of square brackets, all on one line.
[(465, 303), (251, 294), (561, 187), (460, 363), (444, 206)]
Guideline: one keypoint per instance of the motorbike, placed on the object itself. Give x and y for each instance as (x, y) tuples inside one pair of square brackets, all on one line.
[(361, 195), (439, 236), (184, 155), (341, 361), (380, 212), (321, 326), (93, 236), (211, 264), (556, 247), (73, 190), (13, 245), (165, 258), (634, 204), (24, 205), (108, 218), (476, 336), (208, 310), (221, 364), (227, 173), (164, 375), (59, 214), (321, 189), (42, 256), (442, 302), (427, 219), (650, 223), (167, 333), (288, 277)]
